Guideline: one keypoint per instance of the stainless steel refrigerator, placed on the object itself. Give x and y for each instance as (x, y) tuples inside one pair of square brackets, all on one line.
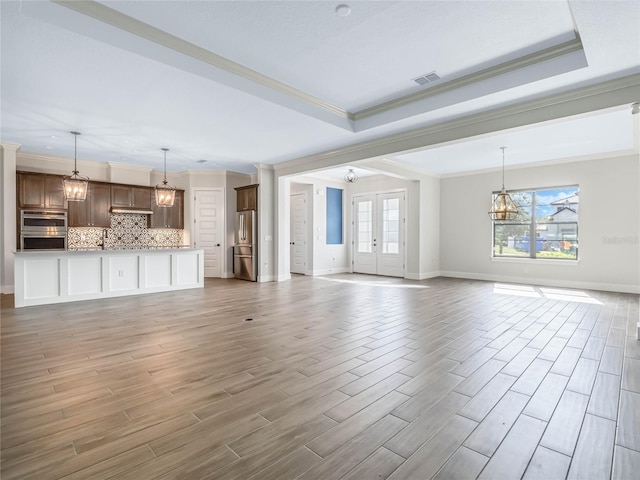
[(245, 265)]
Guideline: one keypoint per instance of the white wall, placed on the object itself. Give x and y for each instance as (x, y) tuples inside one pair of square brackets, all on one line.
[(422, 234), (429, 226), (307, 189), (329, 258), (608, 229), (323, 259), (266, 224), (8, 155)]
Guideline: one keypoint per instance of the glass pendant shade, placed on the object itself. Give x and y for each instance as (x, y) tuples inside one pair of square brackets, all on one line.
[(75, 186), (503, 208), (165, 193), (350, 176)]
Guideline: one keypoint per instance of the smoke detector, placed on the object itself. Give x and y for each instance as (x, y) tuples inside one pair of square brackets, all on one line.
[(427, 78)]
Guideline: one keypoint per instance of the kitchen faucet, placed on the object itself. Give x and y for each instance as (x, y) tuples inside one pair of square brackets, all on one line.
[(104, 237)]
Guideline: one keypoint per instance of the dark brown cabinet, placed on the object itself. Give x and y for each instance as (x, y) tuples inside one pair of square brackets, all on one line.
[(45, 191), (247, 198), (94, 211), (131, 196), (37, 190), (169, 217)]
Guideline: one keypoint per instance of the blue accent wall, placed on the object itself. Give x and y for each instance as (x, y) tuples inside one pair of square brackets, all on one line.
[(334, 216)]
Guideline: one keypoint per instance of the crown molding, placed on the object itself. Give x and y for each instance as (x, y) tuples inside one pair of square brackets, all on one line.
[(607, 94), (128, 166), (264, 166), (129, 24), (618, 154), (216, 173), (11, 146), (246, 79), (60, 160), (534, 58)]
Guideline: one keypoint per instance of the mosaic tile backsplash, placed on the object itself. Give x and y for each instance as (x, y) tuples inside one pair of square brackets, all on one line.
[(127, 231)]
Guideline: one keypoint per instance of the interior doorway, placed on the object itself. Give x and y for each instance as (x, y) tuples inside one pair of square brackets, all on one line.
[(298, 233), (379, 230)]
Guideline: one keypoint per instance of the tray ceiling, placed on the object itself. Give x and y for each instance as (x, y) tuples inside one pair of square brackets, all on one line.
[(226, 85)]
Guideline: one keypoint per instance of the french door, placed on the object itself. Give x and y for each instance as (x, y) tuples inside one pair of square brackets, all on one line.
[(378, 246)]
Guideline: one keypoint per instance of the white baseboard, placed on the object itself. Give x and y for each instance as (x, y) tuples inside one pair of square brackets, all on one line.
[(284, 277), (422, 276), (265, 278), (330, 271), (547, 282), (7, 290)]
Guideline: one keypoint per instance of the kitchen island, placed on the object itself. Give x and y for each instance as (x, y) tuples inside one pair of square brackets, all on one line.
[(45, 277)]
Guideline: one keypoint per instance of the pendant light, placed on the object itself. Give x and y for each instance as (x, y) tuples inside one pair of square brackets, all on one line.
[(350, 176), (75, 186), (503, 207), (165, 193)]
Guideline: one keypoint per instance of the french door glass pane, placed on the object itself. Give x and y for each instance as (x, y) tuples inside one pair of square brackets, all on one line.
[(365, 227), (390, 225)]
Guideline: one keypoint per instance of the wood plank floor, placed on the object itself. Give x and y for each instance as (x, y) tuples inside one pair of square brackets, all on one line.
[(341, 377)]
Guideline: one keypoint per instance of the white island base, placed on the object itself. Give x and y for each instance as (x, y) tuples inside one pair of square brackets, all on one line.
[(44, 277)]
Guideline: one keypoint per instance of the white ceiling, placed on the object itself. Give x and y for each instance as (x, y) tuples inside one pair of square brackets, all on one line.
[(237, 83)]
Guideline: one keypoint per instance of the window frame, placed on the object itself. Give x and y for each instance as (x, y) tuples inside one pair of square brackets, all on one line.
[(533, 225)]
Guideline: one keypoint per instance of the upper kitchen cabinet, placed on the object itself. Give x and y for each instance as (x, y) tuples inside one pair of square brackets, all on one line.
[(169, 217), (247, 198), (37, 190), (129, 196), (94, 211)]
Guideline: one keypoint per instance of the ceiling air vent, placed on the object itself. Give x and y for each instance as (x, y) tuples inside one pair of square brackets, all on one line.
[(427, 78)]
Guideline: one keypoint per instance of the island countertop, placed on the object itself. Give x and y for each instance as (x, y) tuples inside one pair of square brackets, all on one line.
[(55, 276)]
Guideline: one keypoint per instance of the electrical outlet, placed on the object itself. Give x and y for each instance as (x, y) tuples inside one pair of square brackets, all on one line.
[(121, 273)]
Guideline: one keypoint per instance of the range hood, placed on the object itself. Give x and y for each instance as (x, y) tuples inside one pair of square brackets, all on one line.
[(132, 210)]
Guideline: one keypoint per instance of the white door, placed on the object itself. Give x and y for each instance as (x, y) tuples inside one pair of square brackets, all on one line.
[(364, 252), (379, 234), (208, 228), (298, 233)]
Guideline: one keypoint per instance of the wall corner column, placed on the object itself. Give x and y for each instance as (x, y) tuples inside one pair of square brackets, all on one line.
[(266, 222), (8, 162)]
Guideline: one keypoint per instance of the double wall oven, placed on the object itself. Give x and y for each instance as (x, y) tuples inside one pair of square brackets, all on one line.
[(43, 230)]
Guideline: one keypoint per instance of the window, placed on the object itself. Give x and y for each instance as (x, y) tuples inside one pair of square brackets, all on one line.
[(334, 216), (365, 226), (391, 225), (546, 226)]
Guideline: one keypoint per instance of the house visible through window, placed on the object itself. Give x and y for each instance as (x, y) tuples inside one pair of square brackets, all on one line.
[(546, 225)]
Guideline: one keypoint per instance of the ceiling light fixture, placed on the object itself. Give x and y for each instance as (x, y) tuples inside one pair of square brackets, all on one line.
[(503, 207), (350, 176), (75, 186), (165, 193)]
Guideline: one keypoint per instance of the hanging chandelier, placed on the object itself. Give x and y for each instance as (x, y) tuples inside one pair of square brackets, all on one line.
[(165, 193), (503, 207), (75, 186), (350, 176)]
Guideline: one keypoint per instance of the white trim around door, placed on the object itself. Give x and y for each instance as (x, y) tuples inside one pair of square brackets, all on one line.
[(209, 230), (379, 226)]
